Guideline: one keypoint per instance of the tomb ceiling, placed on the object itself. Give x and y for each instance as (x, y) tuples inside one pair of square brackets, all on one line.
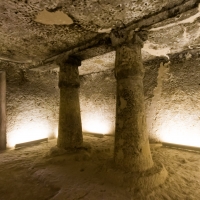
[(33, 30)]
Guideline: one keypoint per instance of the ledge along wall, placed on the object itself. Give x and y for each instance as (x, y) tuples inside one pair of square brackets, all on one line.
[(172, 95)]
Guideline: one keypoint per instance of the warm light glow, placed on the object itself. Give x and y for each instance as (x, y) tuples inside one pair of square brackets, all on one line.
[(96, 126), (56, 132), (181, 129), (29, 131), (94, 123)]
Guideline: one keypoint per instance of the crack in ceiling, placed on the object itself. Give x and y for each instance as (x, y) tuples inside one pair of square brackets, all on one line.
[(190, 19)]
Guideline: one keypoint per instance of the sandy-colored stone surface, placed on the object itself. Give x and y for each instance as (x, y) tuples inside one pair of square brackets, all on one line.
[(38, 173), (28, 35), (171, 96)]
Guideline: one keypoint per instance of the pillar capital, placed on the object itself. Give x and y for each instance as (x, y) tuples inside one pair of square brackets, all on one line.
[(128, 38), (64, 61), (128, 61), (69, 75)]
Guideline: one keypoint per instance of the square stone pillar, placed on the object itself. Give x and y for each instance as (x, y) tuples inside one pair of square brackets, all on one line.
[(70, 127), (2, 110)]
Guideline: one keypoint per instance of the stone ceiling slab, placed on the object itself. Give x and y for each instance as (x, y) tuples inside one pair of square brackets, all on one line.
[(23, 37)]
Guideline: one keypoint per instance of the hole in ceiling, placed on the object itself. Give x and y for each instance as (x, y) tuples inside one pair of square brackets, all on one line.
[(52, 18)]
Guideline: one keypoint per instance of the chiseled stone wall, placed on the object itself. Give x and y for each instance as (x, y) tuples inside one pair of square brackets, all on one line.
[(172, 96), (97, 100), (173, 111), (32, 103)]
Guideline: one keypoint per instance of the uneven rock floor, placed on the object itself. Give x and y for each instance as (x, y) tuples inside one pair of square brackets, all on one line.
[(42, 172)]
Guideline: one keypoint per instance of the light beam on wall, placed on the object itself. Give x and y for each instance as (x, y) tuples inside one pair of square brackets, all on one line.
[(181, 129), (55, 132), (29, 131), (96, 123)]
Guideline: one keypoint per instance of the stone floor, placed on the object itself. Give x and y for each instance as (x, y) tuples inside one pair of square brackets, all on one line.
[(42, 172)]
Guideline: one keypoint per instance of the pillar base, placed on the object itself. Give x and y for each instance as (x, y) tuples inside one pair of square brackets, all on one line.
[(56, 151), (136, 181), (148, 179)]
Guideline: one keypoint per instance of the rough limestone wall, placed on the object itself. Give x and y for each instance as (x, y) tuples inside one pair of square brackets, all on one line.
[(174, 110), (32, 103), (97, 100), (152, 91), (172, 95)]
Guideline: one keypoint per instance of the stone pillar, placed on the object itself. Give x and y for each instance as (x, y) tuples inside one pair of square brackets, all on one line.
[(2, 110), (132, 151), (70, 128)]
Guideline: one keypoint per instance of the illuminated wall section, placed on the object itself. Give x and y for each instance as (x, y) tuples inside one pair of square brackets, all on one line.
[(172, 99), (28, 131), (30, 125), (32, 104), (173, 113), (97, 100), (182, 127), (97, 122)]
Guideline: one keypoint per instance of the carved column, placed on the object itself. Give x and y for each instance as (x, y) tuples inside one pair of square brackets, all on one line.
[(132, 151), (70, 128), (2, 110)]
